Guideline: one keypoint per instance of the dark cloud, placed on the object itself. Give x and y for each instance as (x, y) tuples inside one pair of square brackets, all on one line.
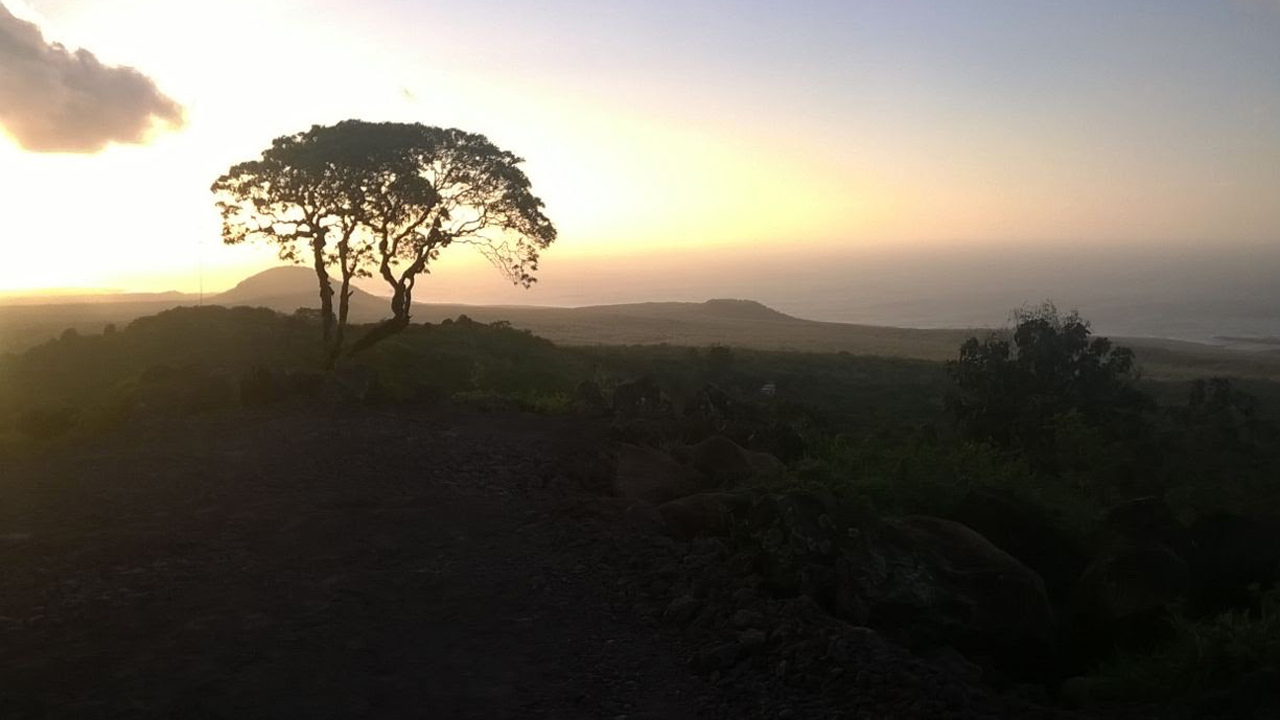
[(55, 100)]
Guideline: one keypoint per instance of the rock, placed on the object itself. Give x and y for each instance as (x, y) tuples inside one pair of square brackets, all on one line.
[(652, 475), (717, 657), (644, 516), (704, 514), (726, 462), (720, 459), (1144, 520), (950, 661), (1123, 597), (950, 585), (634, 514), (748, 619), (1127, 581), (1078, 693), (682, 610), (932, 582), (637, 431), (1230, 553), (744, 597), (765, 464), (752, 639), (1028, 534), (800, 533)]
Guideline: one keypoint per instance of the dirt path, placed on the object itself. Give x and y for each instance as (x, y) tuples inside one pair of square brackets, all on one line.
[(284, 565)]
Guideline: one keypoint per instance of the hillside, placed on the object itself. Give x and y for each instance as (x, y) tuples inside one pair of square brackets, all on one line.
[(286, 289), (737, 323)]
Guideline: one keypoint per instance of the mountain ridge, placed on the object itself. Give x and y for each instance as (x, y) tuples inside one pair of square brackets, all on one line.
[(740, 323)]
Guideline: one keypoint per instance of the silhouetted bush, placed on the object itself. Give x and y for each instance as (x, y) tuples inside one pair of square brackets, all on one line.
[(1203, 656), (1017, 396)]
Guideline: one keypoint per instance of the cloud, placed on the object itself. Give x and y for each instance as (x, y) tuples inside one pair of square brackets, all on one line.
[(56, 100)]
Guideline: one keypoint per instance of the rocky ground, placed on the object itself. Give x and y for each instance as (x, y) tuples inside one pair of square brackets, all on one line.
[(412, 563)]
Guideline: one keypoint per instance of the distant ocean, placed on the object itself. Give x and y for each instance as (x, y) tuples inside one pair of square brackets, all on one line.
[(1206, 292)]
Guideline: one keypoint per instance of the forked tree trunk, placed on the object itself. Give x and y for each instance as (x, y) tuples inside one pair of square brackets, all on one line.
[(335, 344), (401, 301), (326, 289)]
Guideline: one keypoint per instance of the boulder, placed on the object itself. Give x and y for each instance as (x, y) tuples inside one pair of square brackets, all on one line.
[(726, 462), (933, 582), (719, 458), (654, 476), (1230, 554), (1125, 593), (948, 585), (1029, 535), (637, 431), (636, 515), (765, 464), (800, 534), (704, 514), (1147, 520)]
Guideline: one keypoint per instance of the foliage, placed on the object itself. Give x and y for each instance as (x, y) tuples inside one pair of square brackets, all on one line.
[(383, 198), (913, 472), (1054, 373), (1204, 655), (1220, 434)]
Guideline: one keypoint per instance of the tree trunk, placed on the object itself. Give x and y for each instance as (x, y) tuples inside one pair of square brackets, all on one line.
[(401, 302), (344, 307), (380, 332), (326, 289)]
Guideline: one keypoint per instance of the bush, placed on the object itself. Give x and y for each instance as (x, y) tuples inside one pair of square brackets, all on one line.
[(1204, 656)]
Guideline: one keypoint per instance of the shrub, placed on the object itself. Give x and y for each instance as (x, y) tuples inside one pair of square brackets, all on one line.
[(1203, 656)]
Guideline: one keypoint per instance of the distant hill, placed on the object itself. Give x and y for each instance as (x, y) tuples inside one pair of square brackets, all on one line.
[(285, 289), (736, 323)]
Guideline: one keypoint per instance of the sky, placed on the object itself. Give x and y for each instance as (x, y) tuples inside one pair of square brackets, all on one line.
[(667, 137)]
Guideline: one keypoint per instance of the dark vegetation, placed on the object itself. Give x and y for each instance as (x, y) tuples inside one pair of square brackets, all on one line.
[(383, 199), (1133, 525)]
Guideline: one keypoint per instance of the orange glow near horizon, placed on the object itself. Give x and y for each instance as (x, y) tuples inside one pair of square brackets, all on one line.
[(678, 158)]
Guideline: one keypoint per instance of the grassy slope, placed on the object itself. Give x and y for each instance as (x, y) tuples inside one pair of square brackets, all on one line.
[(739, 325)]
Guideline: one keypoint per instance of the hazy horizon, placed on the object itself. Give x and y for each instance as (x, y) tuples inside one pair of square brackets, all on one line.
[(658, 129), (1187, 293)]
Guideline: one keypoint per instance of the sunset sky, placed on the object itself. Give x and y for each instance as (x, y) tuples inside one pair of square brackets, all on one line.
[(673, 131)]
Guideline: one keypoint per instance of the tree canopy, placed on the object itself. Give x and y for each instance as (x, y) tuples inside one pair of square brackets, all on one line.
[(359, 199), (1054, 373)]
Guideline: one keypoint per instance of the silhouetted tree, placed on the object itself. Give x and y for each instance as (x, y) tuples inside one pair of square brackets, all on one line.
[(386, 198), (296, 197), (1015, 395), (1221, 444), (436, 187)]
